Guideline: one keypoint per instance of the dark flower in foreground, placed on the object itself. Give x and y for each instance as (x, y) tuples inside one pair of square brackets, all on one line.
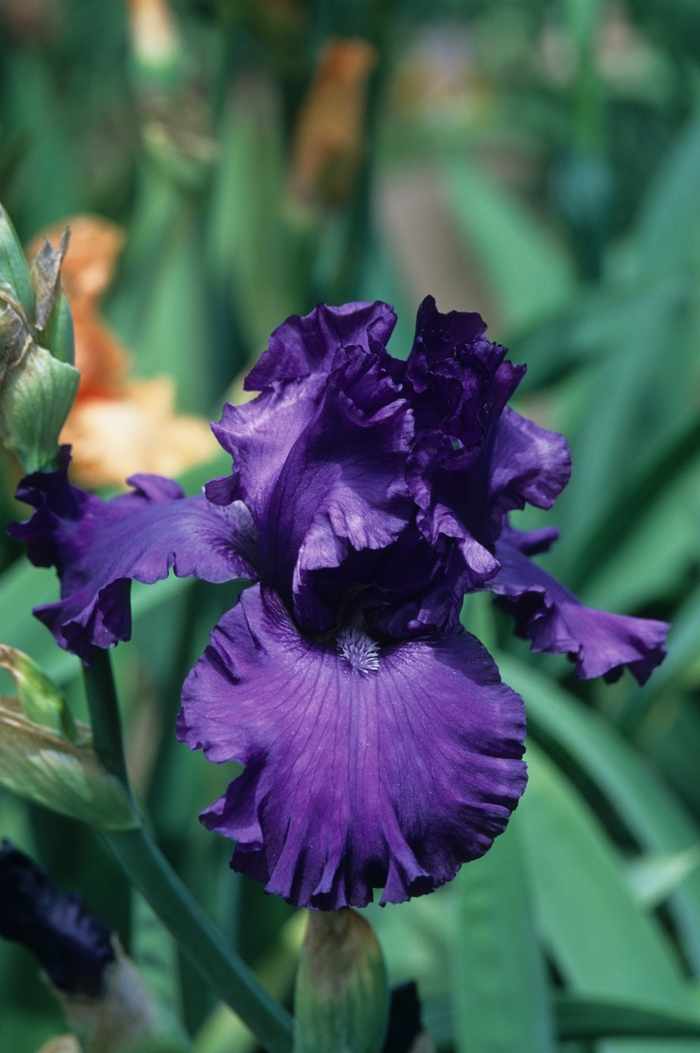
[(73, 945), (405, 1032), (381, 748)]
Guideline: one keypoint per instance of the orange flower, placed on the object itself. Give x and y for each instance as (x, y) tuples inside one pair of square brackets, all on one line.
[(118, 425), (329, 142)]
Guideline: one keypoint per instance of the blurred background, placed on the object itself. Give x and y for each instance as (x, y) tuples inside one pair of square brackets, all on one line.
[(225, 163)]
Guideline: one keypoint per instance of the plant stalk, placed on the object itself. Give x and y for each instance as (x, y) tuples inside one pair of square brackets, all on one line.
[(227, 975), (149, 871)]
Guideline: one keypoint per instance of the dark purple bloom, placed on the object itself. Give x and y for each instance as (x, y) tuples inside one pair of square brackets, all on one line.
[(367, 495), (73, 945)]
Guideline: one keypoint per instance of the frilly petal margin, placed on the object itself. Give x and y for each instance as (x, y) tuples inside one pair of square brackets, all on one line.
[(554, 620), (529, 465), (365, 767), (98, 546), (320, 464), (302, 346)]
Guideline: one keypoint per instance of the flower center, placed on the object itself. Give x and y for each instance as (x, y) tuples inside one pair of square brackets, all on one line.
[(359, 650)]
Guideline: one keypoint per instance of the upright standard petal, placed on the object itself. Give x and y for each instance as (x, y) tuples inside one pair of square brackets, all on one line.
[(473, 458), (320, 464), (528, 465), (302, 346), (554, 620), (98, 546), (366, 766), (458, 379)]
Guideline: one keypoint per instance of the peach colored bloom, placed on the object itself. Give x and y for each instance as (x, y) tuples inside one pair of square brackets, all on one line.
[(329, 142), (118, 425)]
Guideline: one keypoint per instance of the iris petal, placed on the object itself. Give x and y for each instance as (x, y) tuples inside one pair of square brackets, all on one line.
[(554, 620), (98, 546), (322, 472), (358, 774), (302, 346)]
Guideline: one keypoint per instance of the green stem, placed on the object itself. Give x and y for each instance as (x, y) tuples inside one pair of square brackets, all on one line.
[(104, 714), (227, 975), (148, 871)]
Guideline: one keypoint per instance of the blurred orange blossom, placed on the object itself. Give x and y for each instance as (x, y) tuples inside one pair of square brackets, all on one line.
[(118, 425)]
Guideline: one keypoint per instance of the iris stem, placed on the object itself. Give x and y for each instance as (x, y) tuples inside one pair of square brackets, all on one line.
[(105, 718), (227, 975), (149, 871)]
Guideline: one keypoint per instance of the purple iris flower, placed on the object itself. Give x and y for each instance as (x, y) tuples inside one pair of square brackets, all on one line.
[(73, 945), (367, 496)]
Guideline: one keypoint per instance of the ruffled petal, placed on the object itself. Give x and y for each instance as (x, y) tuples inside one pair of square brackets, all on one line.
[(554, 620), (529, 465), (259, 436), (322, 471), (459, 379), (301, 346), (365, 767), (98, 546)]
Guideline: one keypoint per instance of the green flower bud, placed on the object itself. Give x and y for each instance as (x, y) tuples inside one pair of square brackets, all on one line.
[(36, 395), (341, 1000), (37, 383), (58, 335), (48, 758), (14, 274), (45, 275)]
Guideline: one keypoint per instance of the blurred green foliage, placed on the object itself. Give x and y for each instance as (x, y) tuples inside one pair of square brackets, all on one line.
[(539, 161)]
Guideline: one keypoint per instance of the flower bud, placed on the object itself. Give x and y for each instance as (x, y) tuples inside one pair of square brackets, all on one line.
[(37, 383), (14, 275), (341, 1000), (48, 758)]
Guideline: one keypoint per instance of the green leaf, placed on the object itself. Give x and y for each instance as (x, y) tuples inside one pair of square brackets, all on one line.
[(602, 941), (530, 272), (249, 244), (589, 1019), (40, 699), (154, 952), (500, 995), (657, 820), (683, 648), (665, 233), (47, 769), (58, 335), (654, 877), (23, 586), (647, 364), (633, 499)]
